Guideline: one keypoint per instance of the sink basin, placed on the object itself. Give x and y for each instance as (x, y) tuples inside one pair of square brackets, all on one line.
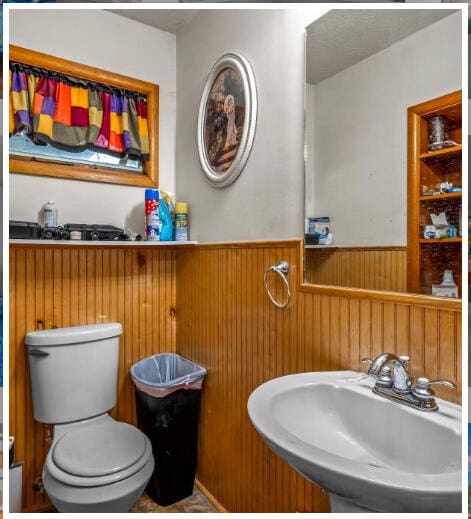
[(369, 453)]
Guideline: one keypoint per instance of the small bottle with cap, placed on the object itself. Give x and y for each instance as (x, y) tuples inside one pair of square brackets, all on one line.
[(50, 214), (181, 221)]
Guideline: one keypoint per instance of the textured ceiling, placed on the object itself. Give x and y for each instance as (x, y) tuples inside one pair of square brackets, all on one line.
[(169, 20), (341, 38)]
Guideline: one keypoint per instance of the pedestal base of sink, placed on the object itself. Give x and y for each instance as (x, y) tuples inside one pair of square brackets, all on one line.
[(339, 505)]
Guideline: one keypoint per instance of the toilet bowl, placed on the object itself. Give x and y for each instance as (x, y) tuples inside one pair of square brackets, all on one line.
[(86, 472), (95, 463)]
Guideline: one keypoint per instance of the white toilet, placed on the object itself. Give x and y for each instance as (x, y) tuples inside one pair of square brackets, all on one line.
[(95, 464)]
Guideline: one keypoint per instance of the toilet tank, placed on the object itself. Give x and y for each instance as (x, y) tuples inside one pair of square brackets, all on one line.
[(74, 371)]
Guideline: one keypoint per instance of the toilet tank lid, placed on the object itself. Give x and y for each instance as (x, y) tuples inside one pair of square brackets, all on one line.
[(73, 334)]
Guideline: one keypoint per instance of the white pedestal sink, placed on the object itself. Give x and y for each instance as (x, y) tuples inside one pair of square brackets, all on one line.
[(370, 454)]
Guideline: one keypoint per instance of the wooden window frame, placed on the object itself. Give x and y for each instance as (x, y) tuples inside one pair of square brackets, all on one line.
[(30, 166)]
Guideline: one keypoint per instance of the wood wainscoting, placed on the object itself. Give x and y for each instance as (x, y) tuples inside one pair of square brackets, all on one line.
[(372, 268), (51, 287), (227, 324)]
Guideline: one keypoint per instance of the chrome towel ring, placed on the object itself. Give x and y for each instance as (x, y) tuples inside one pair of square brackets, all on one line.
[(281, 269)]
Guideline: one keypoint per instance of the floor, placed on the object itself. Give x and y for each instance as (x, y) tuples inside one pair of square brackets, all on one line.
[(197, 503)]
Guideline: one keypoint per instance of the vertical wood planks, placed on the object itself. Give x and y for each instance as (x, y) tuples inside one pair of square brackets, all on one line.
[(56, 287), (374, 268), (226, 323)]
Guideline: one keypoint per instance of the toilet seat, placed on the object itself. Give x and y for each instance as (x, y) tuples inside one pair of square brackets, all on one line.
[(98, 454), (99, 449)]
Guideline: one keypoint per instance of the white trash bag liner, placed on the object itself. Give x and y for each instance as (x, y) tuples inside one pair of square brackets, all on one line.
[(165, 373)]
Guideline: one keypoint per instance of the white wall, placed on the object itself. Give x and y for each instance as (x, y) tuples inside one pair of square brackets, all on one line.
[(114, 43), (267, 200), (309, 148), (360, 133)]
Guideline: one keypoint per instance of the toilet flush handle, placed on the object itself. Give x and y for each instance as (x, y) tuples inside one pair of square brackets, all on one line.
[(38, 353)]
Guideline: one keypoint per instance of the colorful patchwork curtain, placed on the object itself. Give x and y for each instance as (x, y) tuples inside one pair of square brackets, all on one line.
[(74, 114)]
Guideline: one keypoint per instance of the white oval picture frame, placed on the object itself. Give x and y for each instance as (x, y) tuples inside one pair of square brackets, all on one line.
[(227, 120)]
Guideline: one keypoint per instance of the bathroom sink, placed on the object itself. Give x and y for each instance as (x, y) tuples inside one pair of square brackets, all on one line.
[(367, 452)]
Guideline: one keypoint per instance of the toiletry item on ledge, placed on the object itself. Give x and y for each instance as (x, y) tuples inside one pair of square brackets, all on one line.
[(320, 227), (440, 189), (429, 231), (166, 232), (153, 223), (440, 228), (317, 225), (447, 288), (181, 221), (451, 233), (327, 240), (438, 137), (167, 215), (49, 214), (170, 201)]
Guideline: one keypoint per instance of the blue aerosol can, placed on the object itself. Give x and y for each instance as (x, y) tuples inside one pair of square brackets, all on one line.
[(153, 222)]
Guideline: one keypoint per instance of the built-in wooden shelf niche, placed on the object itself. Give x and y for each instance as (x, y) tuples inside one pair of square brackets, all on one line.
[(428, 258)]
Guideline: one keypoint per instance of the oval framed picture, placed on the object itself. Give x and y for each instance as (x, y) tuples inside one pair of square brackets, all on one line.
[(227, 120)]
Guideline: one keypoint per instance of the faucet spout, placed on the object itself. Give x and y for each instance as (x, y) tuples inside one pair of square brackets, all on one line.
[(380, 361), (401, 378)]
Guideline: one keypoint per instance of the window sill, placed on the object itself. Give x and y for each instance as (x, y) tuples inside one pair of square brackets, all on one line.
[(28, 166)]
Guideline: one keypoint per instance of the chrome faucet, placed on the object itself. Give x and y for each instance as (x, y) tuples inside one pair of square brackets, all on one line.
[(397, 384), (401, 380)]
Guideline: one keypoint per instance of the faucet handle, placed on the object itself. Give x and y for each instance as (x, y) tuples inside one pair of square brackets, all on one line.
[(423, 382), (422, 390), (405, 359), (367, 361)]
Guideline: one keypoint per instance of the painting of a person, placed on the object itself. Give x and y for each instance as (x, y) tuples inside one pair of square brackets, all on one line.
[(224, 122), (231, 132)]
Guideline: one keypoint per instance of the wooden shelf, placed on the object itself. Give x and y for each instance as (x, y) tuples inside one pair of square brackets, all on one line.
[(440, 240), (320, 247), (100, 243), (445, 153), (441, 196), (428, 258)]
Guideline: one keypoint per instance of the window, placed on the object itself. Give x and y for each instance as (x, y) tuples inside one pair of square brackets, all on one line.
[(38, 155), (22, 146)]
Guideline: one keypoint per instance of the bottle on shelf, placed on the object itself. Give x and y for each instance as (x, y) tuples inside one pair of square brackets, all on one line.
[(152, 217), (181, 221), (49, 214)]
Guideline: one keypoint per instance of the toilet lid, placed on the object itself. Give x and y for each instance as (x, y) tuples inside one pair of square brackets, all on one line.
[(98, 450)]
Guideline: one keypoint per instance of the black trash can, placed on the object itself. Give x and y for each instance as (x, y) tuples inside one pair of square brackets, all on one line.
[(168, 398)]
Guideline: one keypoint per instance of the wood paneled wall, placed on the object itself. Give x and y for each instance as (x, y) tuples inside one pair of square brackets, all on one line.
[(373, 268), (55, 287), (226, 323)]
